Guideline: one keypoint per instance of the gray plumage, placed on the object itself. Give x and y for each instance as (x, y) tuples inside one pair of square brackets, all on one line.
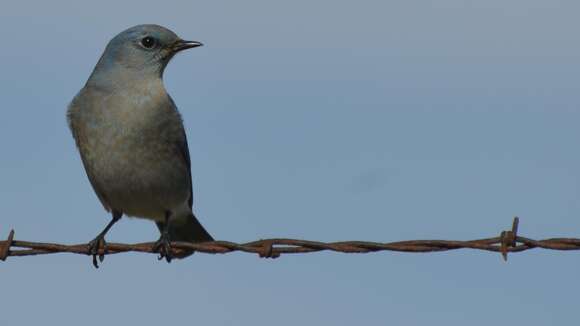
[(131, 137)]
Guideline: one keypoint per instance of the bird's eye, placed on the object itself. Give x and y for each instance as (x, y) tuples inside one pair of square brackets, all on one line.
[(148, 42)]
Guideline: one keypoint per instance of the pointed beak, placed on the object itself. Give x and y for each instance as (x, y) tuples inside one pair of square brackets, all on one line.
[(181, 45)]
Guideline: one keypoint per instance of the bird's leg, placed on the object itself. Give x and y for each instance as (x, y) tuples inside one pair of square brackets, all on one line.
[(163, 245), (95, 244)]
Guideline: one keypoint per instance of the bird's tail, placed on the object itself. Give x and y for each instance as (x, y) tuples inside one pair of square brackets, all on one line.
[(186, 228)]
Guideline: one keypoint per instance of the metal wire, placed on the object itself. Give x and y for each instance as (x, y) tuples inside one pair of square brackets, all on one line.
[(507, 242)]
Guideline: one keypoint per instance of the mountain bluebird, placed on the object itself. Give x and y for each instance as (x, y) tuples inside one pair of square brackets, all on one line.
[(132, 141)]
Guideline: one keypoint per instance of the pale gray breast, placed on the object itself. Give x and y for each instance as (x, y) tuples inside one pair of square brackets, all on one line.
[(130, 142)]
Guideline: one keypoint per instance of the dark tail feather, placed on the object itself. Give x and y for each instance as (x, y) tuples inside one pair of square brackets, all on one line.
[(186, 229)]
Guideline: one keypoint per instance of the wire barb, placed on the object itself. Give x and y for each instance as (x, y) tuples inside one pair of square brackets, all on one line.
[(267, 250), (507, 242), (5, 248), (509, 238)]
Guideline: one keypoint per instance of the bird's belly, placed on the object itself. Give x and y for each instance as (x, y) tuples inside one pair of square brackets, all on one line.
[(138, 175)]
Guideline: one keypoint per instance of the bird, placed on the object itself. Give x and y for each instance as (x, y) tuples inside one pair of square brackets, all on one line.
[(132, 141)]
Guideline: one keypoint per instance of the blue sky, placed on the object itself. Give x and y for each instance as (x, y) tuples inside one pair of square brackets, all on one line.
[(322, 120)]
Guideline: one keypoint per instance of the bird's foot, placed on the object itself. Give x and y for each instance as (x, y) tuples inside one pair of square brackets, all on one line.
[(94, 247), (163, 247)]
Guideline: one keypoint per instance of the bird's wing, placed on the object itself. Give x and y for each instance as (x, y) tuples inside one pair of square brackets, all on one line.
[(186, 228), (184, 151)]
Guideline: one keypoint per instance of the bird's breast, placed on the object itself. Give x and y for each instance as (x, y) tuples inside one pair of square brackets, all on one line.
[(129, 145)]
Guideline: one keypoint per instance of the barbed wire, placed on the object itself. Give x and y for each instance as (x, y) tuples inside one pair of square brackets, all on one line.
[(507, 242)]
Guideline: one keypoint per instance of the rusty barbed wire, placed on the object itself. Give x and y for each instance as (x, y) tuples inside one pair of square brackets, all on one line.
[(507, 242)]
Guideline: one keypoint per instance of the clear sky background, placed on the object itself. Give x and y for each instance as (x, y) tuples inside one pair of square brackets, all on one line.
[(322, 120)]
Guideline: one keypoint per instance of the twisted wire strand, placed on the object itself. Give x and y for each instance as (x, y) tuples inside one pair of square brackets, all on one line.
[(507, 242)]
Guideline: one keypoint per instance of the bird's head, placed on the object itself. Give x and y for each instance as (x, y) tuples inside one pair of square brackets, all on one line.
[(145, 49)]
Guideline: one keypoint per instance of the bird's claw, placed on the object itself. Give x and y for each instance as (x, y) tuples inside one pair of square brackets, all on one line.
[(94, 247), (163, 247)]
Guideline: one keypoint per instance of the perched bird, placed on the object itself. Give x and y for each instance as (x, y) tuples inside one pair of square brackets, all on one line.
[(132, 141)]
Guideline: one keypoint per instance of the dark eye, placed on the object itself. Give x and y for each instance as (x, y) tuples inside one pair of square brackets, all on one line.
[(148, 42)]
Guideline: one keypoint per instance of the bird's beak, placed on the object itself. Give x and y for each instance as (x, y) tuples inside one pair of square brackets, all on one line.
[(181, 45)]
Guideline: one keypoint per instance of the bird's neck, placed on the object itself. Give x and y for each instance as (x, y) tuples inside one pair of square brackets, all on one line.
[(119, 77)]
